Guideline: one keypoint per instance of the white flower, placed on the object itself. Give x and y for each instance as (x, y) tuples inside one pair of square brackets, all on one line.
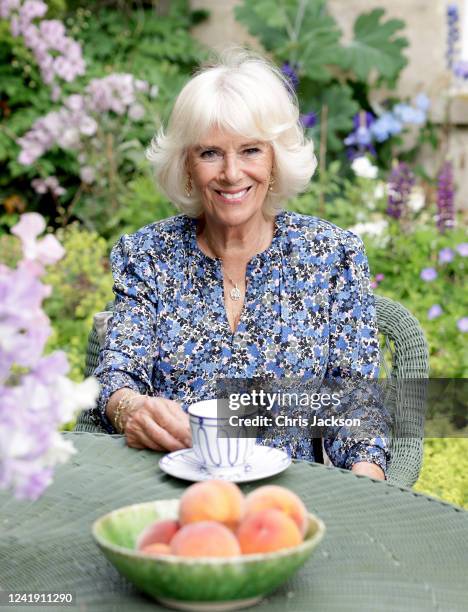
[(87, 174), (379, 191), (69, 139), (75, 396), (371, 228), (416, 199), (88, 126), (363, 168), (59, 451)]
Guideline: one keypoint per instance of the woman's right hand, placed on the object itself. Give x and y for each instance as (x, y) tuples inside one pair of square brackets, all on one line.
[(157, 423)]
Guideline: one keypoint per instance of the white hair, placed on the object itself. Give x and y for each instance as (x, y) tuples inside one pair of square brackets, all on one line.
[(242, 93)]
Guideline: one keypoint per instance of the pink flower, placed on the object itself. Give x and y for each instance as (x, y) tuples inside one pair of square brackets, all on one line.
[(136, 112), (379, 277), (47, 250), (29, 226)]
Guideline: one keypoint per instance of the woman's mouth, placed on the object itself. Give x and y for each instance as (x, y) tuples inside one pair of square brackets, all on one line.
[(233, 197)]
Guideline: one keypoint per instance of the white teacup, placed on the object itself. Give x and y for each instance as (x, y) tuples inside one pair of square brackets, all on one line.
[(217, 454)]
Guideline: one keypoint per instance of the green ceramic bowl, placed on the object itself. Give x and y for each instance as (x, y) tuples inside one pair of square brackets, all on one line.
[(202, 583)]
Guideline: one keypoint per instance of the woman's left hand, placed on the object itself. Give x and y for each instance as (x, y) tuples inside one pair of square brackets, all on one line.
[(363, 468)]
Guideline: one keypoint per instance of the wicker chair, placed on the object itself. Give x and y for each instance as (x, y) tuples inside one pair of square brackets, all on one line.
[(404, 356)]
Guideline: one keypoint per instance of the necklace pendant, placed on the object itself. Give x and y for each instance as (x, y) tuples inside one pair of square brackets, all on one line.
[(235, 293)]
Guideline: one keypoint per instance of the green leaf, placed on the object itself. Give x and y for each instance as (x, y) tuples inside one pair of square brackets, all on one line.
[(296, 31), (271, 37), (340, 111), (376, 47)]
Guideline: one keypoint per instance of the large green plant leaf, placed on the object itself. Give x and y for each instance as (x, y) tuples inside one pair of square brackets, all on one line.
[(375, 46), (295, 30)]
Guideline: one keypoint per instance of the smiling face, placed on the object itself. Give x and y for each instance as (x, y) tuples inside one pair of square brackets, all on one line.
[(232, 174)]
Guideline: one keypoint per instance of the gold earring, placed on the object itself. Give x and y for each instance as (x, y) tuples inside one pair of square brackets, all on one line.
[(271, 183), (188, 187)]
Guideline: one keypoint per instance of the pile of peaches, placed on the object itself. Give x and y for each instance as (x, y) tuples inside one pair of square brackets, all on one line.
[(215, 519)]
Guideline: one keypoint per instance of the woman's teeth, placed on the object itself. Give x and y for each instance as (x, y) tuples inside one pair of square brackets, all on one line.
[(238, 195)]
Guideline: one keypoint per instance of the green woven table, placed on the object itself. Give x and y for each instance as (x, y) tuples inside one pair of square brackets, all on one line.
[(386, 547)]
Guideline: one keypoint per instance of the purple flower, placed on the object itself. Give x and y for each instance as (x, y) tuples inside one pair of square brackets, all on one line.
[(446, 255), (361, 136), (462, 324), (434, 312), (68, 127), (34, 484), (56, 54), (452, 33), (428, 274), (462, 249), (290, 72), (379, 277), (445, 198), (460, 69), (400, 184), (309, 119), (38, 398)]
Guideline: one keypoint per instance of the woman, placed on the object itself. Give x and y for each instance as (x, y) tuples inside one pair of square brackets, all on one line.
[(236, 286)]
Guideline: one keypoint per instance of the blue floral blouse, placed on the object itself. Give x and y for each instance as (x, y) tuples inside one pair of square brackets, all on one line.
[(308, 313)]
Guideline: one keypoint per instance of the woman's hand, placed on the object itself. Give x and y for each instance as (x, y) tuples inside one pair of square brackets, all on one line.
[(157, 423), (363, 468)]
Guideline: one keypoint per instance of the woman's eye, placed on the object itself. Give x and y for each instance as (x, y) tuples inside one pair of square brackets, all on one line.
[(252, 150), (208, 154)]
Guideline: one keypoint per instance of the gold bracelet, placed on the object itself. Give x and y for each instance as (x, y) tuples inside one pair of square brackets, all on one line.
[(123, 407)]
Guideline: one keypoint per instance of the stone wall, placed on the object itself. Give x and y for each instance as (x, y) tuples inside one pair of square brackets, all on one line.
[(426, 70)]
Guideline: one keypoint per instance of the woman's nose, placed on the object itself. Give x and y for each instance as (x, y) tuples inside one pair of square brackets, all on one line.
[(231, 169)]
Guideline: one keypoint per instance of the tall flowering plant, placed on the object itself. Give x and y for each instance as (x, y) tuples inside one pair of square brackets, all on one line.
[(36, 397), (58, 56)]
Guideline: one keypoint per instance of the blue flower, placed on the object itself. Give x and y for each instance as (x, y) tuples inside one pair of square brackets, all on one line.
[(386, 125), (422, 102), (408, 114), (361, 137)]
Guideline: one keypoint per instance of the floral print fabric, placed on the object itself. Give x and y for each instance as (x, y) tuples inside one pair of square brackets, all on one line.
[(308, 313)]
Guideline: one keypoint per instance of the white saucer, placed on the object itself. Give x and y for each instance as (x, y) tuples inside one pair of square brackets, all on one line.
[(265, 461)]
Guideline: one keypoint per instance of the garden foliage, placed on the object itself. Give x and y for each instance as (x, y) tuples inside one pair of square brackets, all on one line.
[(72, 144)]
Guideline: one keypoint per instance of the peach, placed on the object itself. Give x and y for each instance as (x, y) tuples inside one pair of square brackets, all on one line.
[(156, 549), (159, 532), (266, 531), (205, 539), (212, 500), (279, 498)]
